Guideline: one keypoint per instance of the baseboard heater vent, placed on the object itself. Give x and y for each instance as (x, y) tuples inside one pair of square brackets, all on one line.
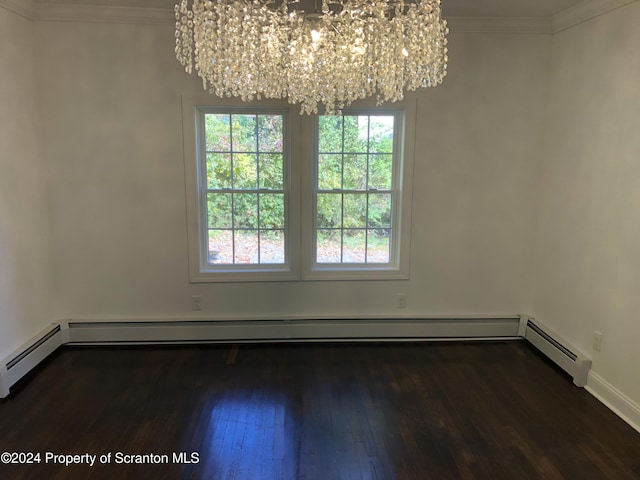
[(316, 329), (28, 356), (567, 357)]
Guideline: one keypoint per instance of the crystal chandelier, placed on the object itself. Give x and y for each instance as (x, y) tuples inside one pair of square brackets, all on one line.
[(350, 50)]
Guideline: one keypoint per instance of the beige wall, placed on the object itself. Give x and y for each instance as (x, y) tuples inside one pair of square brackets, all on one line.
[(588, 252), (476, 175), (111, 100), (25, 252)]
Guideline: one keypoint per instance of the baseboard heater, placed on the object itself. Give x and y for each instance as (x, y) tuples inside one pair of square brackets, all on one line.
[(297, 330), (28, 356), (563, 354)]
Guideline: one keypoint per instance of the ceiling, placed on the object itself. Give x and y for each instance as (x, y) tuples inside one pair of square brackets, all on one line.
[(505, 8), (451, 8)]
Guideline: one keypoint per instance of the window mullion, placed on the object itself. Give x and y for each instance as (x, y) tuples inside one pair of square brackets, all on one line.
[(366, 186), (342, 194), (203, 183), (258, 185), (233, 192)]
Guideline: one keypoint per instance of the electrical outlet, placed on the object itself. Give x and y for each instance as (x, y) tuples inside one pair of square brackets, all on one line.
[(597, 340), (401, 300), (196, 302)]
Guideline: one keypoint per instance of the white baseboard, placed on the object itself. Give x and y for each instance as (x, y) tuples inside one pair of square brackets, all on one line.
[(614, 399), (4, 383), (24, 359)]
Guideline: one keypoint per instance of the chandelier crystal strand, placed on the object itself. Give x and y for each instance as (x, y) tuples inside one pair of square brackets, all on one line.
[(353, 49)]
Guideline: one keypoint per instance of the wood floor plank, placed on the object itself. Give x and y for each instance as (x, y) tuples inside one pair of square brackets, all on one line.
[(469, 411)]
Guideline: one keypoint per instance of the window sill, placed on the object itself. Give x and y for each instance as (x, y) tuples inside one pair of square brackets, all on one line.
[(343, 272), (245, 275)]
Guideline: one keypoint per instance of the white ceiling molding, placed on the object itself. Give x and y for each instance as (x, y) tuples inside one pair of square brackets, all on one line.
[(582, 12), (54, 12), (586, 10), (530, 25), (24, 8)]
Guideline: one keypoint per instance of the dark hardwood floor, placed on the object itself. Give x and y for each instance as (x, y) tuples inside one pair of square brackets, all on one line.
[(314, 411)]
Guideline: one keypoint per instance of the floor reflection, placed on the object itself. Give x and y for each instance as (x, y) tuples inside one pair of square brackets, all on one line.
[(329, 433), (251, 436)]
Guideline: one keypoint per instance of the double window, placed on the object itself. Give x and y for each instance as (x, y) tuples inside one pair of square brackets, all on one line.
[(273, 195)]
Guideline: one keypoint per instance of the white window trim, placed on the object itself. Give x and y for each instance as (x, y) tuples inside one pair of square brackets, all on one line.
[(200, 271), (299, 204), (399, 267)]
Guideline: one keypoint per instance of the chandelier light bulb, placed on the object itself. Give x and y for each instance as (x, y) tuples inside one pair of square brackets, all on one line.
[(261, 49)]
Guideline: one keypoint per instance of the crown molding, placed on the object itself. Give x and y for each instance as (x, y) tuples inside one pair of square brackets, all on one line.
[(55, 12), (585, 10), (51, 12), (526, 25), (24, 8)]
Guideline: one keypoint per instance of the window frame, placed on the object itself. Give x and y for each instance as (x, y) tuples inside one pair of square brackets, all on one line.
[(200, 270), (301, 150), (398, 266)]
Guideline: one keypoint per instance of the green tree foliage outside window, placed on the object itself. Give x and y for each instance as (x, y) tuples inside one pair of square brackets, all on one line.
[(244, 159), (245, 188), (354, 173)]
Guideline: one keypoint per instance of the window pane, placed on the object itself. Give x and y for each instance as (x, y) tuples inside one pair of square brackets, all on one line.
[(379, 210), (220, 247), (378, 245), (270, 133), (218, 170), (217, 132), (329, 133), (244, 133), (271, 210), (355, 172), (381, 134), (380, 171), (328, 246), (359, 175), (329, 210), (356, 131), (245, 171), (354, 246), (329, 171), (271, 176), (272, 246), (245, 210), (219, 210), (355, 211), (246, 246), (244, 163)]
